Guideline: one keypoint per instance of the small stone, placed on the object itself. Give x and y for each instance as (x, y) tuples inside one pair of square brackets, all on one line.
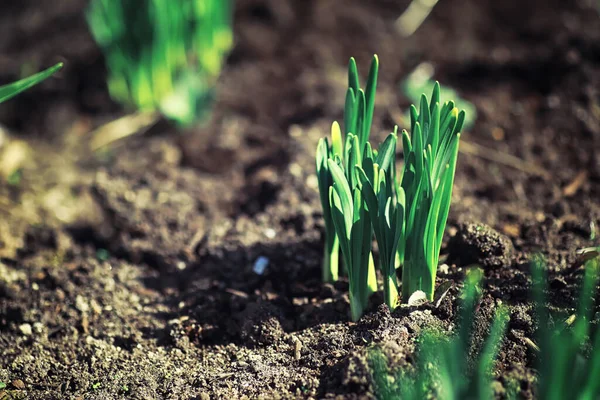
[(480, 244), (26, 329), (260, 324), (38, 327), (498, 389), (270, 233), (81, 304), (260, 265), (18, 384), (417, 298)]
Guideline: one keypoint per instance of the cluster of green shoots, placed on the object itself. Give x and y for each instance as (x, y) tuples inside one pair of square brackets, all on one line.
[(362, 194), (163, 55), (567, 368), (12, 89)]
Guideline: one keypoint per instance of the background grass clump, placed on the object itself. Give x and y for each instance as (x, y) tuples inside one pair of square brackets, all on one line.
[(163, 55)]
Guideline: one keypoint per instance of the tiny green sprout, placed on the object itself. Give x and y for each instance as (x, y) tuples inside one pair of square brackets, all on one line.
[(12, 89), (430, 154)]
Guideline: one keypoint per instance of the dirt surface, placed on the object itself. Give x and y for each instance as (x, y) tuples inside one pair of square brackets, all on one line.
[(129, 273)]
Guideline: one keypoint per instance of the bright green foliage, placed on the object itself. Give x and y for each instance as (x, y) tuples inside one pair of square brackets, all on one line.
[(330, 267), (386, 209), (408, 215), (430, 154), (353, 228), (565, 370), (358, 117), (12, 89), (443, 368), (163, 54)]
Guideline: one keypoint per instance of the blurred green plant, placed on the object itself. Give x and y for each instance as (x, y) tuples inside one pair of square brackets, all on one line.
[(567, 367), (163, 55), (443, 368), (568, 355), (420, 80), (12, 89)]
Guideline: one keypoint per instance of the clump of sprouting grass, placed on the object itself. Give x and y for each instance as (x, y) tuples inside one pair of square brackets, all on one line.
[(12, 89), (348, 148), (163, 55), (407, 214), (443, 369), (430, 154)]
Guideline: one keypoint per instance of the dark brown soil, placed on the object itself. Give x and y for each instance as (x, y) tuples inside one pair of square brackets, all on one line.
[(129, 274)]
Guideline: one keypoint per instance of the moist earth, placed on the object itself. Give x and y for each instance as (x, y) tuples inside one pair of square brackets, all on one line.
[(130, 272)]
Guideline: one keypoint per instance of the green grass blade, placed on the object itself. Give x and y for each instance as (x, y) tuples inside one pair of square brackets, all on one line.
[(12, 89), (353, 82), (350, 111), (370, 92), (342, 189)]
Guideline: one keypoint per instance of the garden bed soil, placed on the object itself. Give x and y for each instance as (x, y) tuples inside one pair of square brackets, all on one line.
[(128, 273)]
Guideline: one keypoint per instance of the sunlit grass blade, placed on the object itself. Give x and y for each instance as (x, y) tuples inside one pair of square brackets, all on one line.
[(12, 89)]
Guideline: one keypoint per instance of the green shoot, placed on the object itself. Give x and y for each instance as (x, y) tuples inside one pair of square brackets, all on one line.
[(12, 89), (163, 56), (330, 265), (358, 118), (385, 209), (353, 228), (430, 154)]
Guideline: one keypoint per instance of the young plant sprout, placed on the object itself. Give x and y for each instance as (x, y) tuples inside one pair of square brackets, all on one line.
[(430, 154), (407, 215), (12, 89), (386, 210), (358, 117), (353, 228), (163, 55)]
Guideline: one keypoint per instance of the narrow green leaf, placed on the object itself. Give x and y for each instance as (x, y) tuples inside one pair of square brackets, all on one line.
[(12, 89), (387, 152), (353, 82), (414, 117), (363, 134), (370, 91), (350, 112), (341, 187), (435, 96)]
